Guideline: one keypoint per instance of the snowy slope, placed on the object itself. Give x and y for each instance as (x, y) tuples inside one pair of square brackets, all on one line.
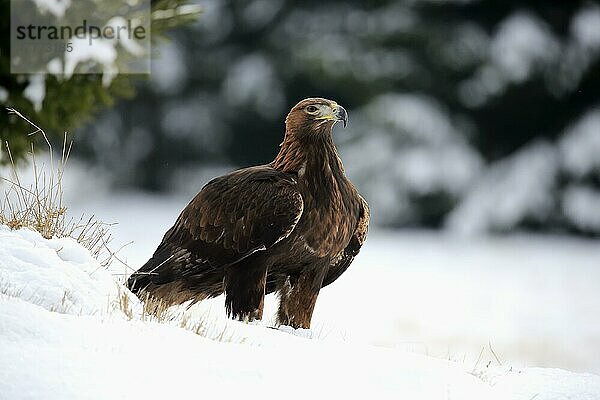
[(53, 356), (56, 274), (82, 346), (533, 298)]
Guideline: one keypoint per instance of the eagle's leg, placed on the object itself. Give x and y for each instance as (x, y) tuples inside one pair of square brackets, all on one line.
[(298, 296), (244, 285)]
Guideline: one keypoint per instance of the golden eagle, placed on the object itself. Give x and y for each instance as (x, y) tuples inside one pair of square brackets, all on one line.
[(292, 226)]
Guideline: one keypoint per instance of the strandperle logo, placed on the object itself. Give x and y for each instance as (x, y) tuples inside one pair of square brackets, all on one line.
[(83, 31), (84, 37)]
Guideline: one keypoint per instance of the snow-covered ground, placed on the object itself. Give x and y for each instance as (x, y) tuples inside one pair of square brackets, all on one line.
[(63, 336), (532, 299), (419, 315)]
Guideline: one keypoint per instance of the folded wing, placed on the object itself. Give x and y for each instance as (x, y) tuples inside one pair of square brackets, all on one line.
[(231, 218)]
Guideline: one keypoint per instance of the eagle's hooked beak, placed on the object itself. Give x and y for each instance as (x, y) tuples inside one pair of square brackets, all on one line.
[(341, 115)]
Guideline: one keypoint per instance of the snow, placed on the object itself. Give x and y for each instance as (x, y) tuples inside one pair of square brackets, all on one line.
[(333, 40), (524, 45), (417, 149), (54, 274), (510, 190), (92, 53), (530, 298), (428, 169), (585, 26), (420, 315), (580, 205), (409, 296), (526, 185), (102, 52), (533, 298), (544, 384), (521, 42), (3, 94), (35, 92), (253, 80), (169, 72), (417, 116), (55, 7), (580, 144), (95, 352), (186, 117), (125, 40), (54, 356), (55, 66)]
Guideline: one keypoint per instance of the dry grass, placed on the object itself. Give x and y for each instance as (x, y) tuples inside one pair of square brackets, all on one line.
[(156, 310), (160, 311), (7, 290), (40, 206), (124, 303)]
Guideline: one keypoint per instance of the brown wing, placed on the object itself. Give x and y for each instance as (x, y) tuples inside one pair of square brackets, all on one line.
[(353, 247), (232, 217), (248, 210)]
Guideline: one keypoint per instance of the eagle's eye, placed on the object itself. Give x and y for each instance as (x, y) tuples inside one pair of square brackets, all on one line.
[(311, 109)]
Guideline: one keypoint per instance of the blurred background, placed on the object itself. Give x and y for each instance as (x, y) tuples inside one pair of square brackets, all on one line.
[(471, 115), (466, 117)]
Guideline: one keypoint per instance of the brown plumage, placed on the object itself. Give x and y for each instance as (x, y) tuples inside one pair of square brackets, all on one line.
[(291, 226)]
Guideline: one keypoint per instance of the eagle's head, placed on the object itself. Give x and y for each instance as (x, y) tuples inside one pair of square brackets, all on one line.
[(315, 115)]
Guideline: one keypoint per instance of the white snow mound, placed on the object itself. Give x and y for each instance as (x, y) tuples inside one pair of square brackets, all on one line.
[(57, 274)]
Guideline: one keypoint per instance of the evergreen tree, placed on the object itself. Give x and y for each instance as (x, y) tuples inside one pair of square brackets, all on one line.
[(57, 103)]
